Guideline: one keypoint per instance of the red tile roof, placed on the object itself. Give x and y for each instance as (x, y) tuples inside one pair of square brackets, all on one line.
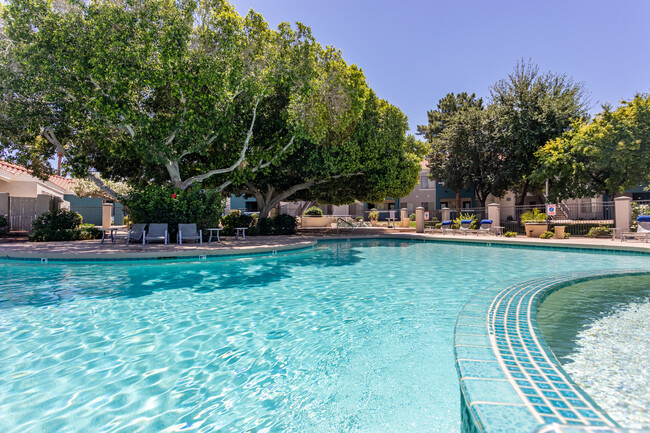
[(60, 181)]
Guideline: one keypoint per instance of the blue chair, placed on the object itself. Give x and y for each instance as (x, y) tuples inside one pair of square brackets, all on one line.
[(445, 226)]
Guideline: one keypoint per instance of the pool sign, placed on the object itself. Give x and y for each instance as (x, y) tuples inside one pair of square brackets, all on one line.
[(426, 215), (550, 209)]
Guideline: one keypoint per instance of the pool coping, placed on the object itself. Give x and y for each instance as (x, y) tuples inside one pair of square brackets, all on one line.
[(51, 251), (510, 380)]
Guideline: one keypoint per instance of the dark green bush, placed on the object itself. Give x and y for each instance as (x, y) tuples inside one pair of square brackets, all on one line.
[(412, 217), (237, 219), (166, 204), (4, 225), (510, 234), (57, 225), (87, 231), (284, 224), (314, 211), (265, 226)]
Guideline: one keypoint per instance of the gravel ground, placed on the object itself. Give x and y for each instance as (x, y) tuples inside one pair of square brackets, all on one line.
[(612, 364)]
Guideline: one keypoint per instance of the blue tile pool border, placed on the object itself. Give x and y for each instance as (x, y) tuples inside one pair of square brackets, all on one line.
[(510, 380)]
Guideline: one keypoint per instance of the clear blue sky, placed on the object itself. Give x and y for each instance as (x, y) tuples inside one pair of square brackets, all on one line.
[(415, 52)]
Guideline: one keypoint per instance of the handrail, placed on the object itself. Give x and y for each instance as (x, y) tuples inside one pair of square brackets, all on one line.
[(343, 220)]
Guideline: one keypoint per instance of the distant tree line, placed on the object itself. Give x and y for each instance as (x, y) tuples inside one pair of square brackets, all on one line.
[(535, 127)]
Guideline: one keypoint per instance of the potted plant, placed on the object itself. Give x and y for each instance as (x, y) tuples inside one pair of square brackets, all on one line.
[(373, 216), (535, 223)]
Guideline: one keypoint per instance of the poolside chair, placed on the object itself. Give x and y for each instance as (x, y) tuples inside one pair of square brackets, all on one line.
[(135, 233), (188, 232), (156, 233), (486, 226), (445, 226), (642, 232), (465, 225)]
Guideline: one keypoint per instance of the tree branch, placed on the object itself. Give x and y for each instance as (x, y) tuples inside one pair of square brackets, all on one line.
[(201, 177)]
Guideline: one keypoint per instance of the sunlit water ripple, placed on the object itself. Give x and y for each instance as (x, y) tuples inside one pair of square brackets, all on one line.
[(349, 337)]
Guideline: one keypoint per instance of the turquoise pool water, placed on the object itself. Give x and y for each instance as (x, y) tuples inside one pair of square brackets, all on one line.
[(348, 337)]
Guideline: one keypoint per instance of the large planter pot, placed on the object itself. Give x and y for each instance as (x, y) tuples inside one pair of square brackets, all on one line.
[(317, 221), (534, 230)]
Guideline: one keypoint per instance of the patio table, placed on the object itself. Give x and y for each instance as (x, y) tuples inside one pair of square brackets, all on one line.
[(111, 232), (241, 230), (212, 232)]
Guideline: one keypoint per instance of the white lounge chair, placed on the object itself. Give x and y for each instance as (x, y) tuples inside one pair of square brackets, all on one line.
[(446, 227), (642, 232), (465, 225), (156, 233), (486, 226), (135, 233), (188, 232)]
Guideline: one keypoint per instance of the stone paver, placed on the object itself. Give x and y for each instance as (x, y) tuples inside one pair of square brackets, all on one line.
[(267, 244)]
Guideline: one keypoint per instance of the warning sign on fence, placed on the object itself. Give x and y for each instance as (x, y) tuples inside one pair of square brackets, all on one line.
[(550, 209), (426, 215)]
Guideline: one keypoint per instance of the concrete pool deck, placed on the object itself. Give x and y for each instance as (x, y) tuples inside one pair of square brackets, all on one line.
[(94, 250)]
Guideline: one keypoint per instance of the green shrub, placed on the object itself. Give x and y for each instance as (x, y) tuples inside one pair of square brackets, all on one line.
[(358, 219), (237, 219), (57, 225), (465, 216), (412, 217), (599, 232), (87, 231), (127, 221), (438, 225), (314, 211), (265, 226), (373, 215), (4, 225), (533, 215), (166, 204), (284, 224), (510, 234), (547, 235), (567, 235)]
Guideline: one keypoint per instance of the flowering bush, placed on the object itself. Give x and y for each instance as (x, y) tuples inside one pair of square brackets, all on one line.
[(166, 204)]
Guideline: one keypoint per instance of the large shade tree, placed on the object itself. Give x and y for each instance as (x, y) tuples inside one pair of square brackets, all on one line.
[(368, 160), (605, 156), (534, 107), (162, 91)]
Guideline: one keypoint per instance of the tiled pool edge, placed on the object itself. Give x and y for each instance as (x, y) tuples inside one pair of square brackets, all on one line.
[(510, 380)]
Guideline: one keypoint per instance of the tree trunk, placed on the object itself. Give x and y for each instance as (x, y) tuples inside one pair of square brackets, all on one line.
[(524, 193), (304, 206), (458, 201)]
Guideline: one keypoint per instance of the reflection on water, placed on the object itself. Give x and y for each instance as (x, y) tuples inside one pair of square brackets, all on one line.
[(348, 337)]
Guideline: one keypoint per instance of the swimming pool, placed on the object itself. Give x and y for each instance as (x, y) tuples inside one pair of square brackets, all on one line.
[(350, 336)]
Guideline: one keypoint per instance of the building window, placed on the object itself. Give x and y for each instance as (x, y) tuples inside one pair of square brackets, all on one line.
[(424, 182), (251, 206)]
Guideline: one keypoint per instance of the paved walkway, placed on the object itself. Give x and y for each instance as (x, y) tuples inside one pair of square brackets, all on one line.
[(267, 244)]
